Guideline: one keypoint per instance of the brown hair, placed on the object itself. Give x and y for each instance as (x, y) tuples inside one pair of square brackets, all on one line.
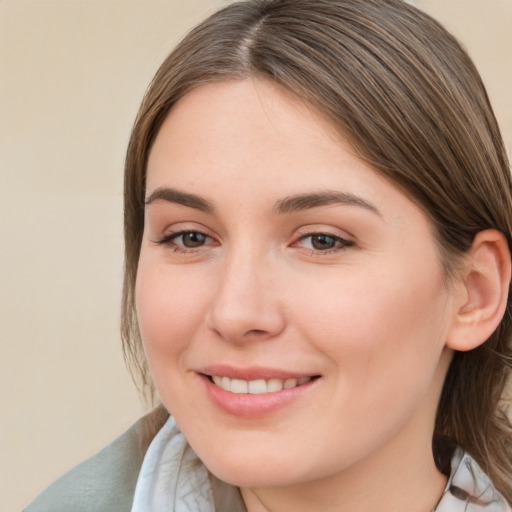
[(407, 96)]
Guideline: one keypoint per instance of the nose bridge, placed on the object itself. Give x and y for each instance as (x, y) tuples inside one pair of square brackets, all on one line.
[(245, 305)]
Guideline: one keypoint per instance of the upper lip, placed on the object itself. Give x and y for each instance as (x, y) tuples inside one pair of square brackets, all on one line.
[(252, 373)]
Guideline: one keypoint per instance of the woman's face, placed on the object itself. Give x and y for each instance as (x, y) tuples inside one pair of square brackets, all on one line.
[(291, 301)]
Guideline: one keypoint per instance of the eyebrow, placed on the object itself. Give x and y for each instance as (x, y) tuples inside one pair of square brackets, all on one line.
[(171, 195), (288, 204), (306, 201)]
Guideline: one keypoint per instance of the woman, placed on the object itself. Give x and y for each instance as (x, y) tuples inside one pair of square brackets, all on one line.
[(318, 226)]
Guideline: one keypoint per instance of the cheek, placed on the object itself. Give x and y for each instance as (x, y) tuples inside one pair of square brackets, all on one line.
[(380, 328), (169, 309), (383, 341)]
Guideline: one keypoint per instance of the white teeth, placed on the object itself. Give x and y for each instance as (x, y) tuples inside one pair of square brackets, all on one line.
[(274, 385), (238, 386), (257, 387)]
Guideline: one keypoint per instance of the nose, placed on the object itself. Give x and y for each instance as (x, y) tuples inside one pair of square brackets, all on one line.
[(245, 305)]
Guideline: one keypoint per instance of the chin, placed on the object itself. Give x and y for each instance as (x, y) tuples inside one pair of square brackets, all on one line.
[(258, 468), (263, 475)]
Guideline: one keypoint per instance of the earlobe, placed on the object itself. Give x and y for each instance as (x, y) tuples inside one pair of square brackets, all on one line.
[(483, 291)]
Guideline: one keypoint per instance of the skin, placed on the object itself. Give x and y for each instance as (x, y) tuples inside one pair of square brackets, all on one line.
[(370, 315)]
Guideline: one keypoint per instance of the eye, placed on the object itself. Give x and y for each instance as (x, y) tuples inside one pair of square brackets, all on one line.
[(191, 239), (186, 240), (323, 242)]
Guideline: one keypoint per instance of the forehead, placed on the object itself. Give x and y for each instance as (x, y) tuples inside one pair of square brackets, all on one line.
[(231, 109), (242, 125)]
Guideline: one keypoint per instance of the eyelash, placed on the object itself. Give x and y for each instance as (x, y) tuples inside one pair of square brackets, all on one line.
[(340, 243), (169, 240)]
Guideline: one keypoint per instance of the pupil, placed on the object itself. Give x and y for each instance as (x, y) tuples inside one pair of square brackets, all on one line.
[(322, 242), (193, 239)]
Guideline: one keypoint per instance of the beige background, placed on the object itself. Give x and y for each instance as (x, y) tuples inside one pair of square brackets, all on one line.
[(71, 76)]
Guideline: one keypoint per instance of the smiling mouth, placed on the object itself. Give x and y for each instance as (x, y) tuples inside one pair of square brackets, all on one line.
[(259, 386)]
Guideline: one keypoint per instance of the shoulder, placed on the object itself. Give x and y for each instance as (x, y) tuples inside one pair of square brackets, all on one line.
[(106, 481), (469, 488)]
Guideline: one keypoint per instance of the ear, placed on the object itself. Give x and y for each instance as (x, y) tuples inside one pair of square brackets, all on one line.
[(482, 291)]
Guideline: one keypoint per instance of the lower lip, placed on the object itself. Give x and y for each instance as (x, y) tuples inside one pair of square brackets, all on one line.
[(246, 405)]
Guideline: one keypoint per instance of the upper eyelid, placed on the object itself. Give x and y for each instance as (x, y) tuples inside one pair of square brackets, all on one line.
[(326, 233), (343, 239), (310, 230), (186, 227), (181, 232)]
